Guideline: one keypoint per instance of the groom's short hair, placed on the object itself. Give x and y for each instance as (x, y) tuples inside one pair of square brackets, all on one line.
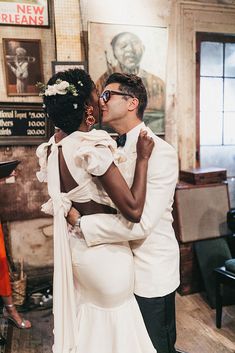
[(133, 85)]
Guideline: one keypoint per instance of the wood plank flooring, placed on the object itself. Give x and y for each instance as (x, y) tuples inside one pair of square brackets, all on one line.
[(38, 339), (196, 330)]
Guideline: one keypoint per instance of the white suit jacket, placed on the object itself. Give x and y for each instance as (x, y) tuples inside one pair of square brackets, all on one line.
[(153, 242)]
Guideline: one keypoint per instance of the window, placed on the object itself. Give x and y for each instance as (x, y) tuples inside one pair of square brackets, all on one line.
[(216, 103), (217, 92)]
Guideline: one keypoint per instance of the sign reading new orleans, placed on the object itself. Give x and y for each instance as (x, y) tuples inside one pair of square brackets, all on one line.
[(24, 13)]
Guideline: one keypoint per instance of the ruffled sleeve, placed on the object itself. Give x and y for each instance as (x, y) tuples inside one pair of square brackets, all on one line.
[(97, 156), (41, 153)]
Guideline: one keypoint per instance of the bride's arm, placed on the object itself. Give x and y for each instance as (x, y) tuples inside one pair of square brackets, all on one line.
[(130, 202)]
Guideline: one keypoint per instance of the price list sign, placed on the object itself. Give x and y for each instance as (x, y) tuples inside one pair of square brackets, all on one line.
[(23, 124)]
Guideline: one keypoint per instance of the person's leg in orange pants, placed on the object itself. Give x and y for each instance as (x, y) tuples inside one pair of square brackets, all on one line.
[(9, 311)]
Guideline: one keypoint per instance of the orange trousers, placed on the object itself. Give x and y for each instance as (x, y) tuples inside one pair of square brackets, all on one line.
[(5, 286)]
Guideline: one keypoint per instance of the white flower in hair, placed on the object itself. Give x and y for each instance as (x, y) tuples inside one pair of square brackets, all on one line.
[(57, 88), (50, 91), (60, 87)]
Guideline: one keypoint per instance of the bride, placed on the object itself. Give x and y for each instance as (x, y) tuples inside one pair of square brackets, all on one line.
[(94, 307)]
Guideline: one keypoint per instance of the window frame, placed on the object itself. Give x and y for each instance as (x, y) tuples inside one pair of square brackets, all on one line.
[(205, 37)]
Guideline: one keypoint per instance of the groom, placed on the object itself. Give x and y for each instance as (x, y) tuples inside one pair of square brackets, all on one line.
[(153, 242)]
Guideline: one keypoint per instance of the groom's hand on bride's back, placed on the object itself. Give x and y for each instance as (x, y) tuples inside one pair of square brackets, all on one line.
[(73, 216)]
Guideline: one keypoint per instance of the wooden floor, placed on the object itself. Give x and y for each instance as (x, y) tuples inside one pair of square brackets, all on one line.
[(196, 330), (38, 339)]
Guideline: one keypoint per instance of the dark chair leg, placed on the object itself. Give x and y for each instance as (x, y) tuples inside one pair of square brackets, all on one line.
[(218, 301), (2, 340)]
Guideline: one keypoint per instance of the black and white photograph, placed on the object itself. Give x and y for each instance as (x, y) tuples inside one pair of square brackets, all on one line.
[(23, 66), (140, 50), (58, 66)]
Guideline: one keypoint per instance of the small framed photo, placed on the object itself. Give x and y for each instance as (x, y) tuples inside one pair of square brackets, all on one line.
[(23, 66), (31, 13), (58, 66)]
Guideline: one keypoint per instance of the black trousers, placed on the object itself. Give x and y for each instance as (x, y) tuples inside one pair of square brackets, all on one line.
[(159, 317)]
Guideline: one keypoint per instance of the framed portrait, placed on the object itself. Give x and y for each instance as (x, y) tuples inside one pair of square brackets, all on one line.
[(58, 66), (32, 13), (23, 124), (23, 66), (141, 50)]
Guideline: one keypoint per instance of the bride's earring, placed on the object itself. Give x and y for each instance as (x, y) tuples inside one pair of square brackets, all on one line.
[(90, 120)]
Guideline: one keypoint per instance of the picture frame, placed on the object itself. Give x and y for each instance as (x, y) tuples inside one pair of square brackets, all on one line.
[(23, 124), (23, 66), (132, 49), (31, 13), (58, 66)]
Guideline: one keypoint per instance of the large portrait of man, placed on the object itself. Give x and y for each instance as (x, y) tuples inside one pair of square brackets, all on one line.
[(139, 50)]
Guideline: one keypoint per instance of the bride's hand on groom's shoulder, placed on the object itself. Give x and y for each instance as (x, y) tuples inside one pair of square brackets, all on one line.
[(145, 145)]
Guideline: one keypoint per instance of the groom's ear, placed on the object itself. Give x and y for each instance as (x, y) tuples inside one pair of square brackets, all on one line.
[(133, 104)]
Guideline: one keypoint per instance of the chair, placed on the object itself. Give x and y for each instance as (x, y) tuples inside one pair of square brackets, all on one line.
[(219, 282), (211, 254), (231, 226), (222, 277)]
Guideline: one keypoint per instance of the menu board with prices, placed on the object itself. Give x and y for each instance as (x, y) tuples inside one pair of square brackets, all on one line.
[(23, 124)]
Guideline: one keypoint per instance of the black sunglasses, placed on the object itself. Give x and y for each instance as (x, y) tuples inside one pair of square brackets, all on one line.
[(106, 95)]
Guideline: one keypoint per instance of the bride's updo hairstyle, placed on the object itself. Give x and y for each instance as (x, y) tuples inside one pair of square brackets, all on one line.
[(64, 98)]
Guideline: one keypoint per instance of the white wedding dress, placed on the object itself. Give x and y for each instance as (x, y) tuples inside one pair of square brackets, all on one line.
[(94, 307)]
